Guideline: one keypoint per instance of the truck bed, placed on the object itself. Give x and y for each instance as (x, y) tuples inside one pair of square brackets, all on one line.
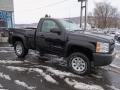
[(28, 34), (23, 31)]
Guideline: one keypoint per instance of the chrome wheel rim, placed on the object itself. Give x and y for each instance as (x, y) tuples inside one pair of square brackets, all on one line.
[(78, 64), (19, 49)]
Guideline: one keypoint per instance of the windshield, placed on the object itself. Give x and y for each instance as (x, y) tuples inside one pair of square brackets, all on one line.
[(70, 26)]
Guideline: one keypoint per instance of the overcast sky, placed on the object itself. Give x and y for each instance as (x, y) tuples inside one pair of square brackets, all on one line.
[(30, 11)]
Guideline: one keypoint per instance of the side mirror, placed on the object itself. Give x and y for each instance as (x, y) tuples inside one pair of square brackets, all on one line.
[(55, 30)]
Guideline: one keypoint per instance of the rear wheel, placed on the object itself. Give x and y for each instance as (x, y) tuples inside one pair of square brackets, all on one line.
[(20, 50), (79, 63)]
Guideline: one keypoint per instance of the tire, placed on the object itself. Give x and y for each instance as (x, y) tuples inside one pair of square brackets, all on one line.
[(79, 64), (20, 50)]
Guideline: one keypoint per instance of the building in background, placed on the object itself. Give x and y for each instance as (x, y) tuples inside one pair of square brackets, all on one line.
[(6, 13)]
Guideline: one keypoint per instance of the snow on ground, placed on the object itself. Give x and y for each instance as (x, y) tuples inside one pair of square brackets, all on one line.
[(114, 66), (82, 86), (5, 51), (7, 77), (109, 68), (96, 76), (7, 47), (117, 46), (116, 61), (33, 53), (40, 71), (113, 87), (59, 73), (117, 43), (1, 86), (24, 85), (49, 78), (13, 68), (10, 62), (117, 56), (46, 76)]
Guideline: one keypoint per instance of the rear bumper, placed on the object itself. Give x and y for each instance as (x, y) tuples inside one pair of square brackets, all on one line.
[(103, 59)]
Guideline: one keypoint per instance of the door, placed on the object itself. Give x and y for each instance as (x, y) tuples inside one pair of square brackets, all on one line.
[(51, 42), (41, 43)]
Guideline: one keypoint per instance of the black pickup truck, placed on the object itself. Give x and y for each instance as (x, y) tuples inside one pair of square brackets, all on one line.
[(64, 38)]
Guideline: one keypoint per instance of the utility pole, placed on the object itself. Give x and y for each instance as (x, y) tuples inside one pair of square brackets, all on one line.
[(81, 13)]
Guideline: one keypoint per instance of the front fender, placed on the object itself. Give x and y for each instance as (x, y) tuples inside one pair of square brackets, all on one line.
[(84, 44)]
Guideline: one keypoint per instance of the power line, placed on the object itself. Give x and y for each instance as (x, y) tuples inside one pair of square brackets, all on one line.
[(49, 5), (53, 4)]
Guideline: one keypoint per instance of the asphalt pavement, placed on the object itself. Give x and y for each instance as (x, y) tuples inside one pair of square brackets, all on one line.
[(36, 73)]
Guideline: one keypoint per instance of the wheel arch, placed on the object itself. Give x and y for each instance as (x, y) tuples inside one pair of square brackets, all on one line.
[(17, 38), (79, 48)]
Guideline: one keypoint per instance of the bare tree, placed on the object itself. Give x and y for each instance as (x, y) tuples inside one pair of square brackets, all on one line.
[(105, 15), (90, 19)]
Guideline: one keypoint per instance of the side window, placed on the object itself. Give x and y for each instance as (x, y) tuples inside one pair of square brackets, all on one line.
[(48, 25)]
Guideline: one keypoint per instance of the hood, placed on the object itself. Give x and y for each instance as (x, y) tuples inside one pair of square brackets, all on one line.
[(99, 35), (92, 37)]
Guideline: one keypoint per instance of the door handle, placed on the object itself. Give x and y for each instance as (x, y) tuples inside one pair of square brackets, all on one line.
[(42, 36)]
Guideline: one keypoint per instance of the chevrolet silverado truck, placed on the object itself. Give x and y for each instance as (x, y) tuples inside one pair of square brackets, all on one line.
[(63, 38)]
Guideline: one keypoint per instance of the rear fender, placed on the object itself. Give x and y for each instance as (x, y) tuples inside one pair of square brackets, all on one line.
[(20, 38)]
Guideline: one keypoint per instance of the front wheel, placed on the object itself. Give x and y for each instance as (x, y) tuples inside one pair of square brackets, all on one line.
[(20, 50), (78, 63)]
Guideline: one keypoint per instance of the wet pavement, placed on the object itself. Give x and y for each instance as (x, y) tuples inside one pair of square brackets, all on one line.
[(36, 73)]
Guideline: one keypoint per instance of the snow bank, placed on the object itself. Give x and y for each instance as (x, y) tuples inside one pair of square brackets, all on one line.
[(7, 77), (24, 85), (82, 86)]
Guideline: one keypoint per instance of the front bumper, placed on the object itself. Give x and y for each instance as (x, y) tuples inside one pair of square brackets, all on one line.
[(103, 59)]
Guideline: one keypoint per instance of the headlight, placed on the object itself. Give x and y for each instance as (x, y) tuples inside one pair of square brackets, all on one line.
[(102, 47)]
